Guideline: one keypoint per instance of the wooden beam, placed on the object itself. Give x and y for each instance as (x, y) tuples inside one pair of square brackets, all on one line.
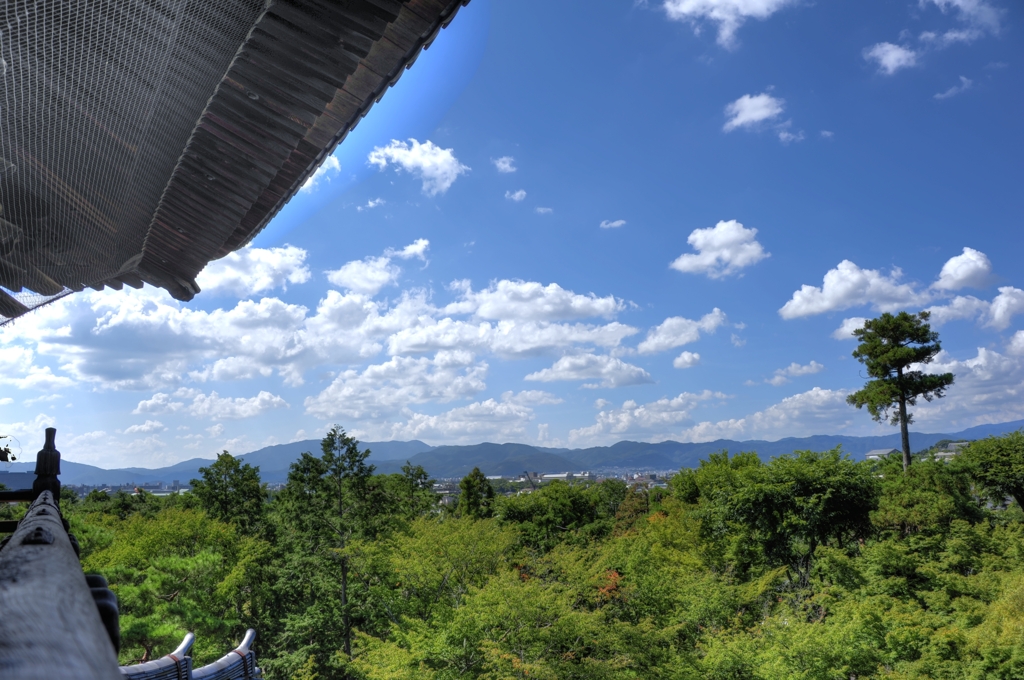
[(38, 282), (50, 626), (131, 279)]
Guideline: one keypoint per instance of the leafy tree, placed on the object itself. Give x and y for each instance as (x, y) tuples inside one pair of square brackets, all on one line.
[(231, 491), (711, 486), (440, 561), (330, 502), (997, 464), (417, 490), (633, 508), (777, 514), (124, 504), (477, 495), (889, 347), (166, 569), (608, 495), (925, 499), (558, 512)]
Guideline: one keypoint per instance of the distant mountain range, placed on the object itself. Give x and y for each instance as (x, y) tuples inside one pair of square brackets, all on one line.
[(273, 462), (512, 459)]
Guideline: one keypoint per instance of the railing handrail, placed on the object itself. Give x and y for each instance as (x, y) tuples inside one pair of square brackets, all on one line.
[(179, 661), (225, 667), (50, 626)]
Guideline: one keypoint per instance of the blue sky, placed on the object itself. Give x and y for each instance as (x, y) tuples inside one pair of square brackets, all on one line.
[(571, 224)]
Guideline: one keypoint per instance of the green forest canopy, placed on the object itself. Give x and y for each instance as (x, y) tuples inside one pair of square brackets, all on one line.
[(808, 566)]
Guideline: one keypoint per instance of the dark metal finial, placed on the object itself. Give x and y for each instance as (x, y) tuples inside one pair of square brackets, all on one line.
[(48, 467)]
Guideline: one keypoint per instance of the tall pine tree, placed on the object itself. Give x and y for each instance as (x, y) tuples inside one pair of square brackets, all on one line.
[(890, 346)]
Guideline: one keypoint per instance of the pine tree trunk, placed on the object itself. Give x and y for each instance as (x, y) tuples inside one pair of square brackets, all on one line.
[(346, 619), (904, 431)]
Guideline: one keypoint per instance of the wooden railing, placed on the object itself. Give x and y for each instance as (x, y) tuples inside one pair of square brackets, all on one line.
[(50, 626), (238, 664)]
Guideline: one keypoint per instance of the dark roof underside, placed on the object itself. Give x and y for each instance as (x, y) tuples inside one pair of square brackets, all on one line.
[(140, 139)]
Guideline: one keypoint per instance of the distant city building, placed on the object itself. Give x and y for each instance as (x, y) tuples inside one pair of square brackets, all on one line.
[(950, 450), (880, 454)]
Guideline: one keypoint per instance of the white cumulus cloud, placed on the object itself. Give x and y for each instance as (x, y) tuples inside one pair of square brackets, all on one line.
[(507, 339), (750, 111), (251, 270), (530, 301), (371, 204), (327, 170), (847, 327), (143, 339), (965, 84), (606, 224), (504, 164), (210, 405), (794, 370), (383, 390), (26, 431), (977, 18), (970, 269), (206, 406), (785, 136), (987, 390), (365, 276), (1005, 306), (722, 250), (1016, 345), (216, 407), (161, 402), (728, 15), (416, 249), (997, 314), (369, 275), (978, 15), (686, 360), (960, 307), (18, 368), (816, 411), (611, 371), (516, 196), (437, 167), (497, 420), (146, 427), (676, 331), (890, 58), (847, 286), (651, 420)]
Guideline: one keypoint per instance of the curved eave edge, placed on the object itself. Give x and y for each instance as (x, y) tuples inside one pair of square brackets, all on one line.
[(244, 162), (407, 63)]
